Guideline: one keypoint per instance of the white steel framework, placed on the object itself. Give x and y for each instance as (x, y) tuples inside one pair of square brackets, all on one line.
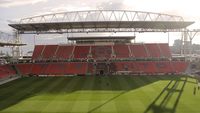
[(101, 21), (101, 15), (6, 37)]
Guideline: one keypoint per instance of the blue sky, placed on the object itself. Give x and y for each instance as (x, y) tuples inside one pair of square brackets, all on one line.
[(13, 10)]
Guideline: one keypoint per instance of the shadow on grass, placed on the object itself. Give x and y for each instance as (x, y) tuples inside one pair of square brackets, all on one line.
[(21, 89), (159, 105)]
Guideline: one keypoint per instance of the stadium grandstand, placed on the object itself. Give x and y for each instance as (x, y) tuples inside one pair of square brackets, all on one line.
[(99, 55)]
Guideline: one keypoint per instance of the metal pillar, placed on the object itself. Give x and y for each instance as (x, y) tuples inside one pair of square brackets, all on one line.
[(16, 52), (184, 40), (168, 38), (191, 37)]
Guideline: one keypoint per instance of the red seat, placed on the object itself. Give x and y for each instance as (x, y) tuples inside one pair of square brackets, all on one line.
[(123, 66), (180, 66), (24, 69), (81, 52), (132, 67), (165, 50), (76, 68), (37, 53), (39, 69), (138, 51), (147, 67), (55, 69), (64, 52), (153, 50), (121, 51), (90, 69), (101, 52), (49, 51), (6, 71), (164, 67)]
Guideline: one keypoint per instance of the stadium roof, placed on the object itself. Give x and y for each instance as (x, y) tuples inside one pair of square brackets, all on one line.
[(84, 21), (101, 37), (2, 44)]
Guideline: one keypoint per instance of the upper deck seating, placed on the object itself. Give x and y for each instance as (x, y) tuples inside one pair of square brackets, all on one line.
[(81, 52), (49, 52), (138, 51), (121, 51), (64, 52), (37, 53), (101, 52), (153, 50), (165, 50)]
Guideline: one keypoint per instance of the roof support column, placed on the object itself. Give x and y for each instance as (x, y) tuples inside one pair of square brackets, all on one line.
[(16, 52)]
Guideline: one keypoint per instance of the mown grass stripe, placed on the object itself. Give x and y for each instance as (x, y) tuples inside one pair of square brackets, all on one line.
[(78, 102), (12, 92), (15, 86), (25, 93), (123, 104), (54, 91)]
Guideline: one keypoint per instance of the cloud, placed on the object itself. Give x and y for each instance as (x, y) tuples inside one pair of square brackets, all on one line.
[(12, 3), (64, 8), (186, 8), (82, 5), (111, 5)]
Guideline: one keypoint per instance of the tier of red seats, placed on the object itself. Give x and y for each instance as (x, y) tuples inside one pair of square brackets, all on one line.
[(81, 68), (151, 67), (63, 52), (6, 71)]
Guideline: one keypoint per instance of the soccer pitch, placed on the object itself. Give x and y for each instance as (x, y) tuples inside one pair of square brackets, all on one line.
[(101, 94)]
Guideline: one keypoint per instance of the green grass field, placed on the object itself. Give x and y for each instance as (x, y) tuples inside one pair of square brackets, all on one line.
[(96, 94)]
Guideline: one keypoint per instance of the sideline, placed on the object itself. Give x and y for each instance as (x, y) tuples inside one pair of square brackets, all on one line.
[(8, 80)]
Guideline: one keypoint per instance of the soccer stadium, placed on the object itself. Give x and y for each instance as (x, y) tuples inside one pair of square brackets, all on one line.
[(99, 73)]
